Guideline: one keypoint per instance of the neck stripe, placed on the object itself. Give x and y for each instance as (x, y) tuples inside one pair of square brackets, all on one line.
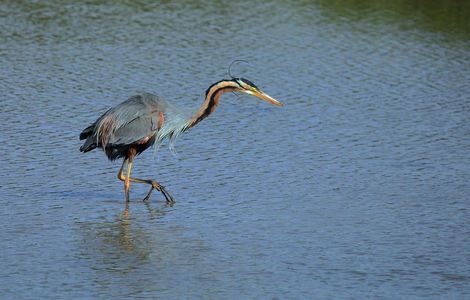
[(212, 99)]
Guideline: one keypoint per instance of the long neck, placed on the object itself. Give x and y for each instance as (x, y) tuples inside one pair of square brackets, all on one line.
[(212, 100)]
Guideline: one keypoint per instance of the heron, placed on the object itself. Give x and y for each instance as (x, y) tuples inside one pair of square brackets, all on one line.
[(143, 120)]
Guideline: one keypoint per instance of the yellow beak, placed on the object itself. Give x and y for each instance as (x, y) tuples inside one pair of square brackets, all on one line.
[(265, 97)]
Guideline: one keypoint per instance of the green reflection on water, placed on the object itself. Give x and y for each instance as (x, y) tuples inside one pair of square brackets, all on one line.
[(440, 16), (445, 16)]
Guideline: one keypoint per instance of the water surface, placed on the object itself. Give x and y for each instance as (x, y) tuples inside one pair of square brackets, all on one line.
[(358, 188)]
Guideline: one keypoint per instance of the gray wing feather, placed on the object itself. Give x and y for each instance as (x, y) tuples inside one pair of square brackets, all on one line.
[(134, 119), (135, 130)]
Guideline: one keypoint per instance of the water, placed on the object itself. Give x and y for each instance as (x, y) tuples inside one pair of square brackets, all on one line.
[(357, 188)]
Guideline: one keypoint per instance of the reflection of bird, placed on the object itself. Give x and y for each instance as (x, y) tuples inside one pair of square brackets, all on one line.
[(144, 120)]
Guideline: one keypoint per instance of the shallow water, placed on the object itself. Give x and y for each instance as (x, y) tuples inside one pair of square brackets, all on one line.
[(357, 188)]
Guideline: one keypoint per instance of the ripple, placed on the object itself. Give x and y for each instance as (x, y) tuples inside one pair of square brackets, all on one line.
[(357, 187)]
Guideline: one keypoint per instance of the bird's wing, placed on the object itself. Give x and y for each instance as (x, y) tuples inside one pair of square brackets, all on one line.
[(131, 121), (139, 128)]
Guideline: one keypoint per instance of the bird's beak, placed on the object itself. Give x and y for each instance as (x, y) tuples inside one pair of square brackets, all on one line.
[(265, 97)]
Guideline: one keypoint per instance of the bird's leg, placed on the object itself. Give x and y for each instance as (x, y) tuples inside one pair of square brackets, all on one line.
[(153, 183), (158, 187), (120, 175), (127, 181), (123, 178)]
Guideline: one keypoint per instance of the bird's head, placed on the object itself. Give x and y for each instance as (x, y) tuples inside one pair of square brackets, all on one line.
[(247, 87)]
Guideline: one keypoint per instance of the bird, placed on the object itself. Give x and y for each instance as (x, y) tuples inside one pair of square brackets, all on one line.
[(144, 120)]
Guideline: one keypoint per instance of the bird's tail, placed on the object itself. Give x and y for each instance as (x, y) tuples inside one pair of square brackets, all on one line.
[(88, 145), (87, 134)]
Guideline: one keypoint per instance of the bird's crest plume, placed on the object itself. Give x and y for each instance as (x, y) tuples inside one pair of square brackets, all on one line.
[(232, 63)]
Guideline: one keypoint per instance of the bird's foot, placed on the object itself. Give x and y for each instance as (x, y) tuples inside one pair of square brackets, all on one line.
[(161, 189), (146, 198), (168, 196)]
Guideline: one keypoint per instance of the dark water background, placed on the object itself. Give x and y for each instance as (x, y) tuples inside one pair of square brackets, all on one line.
[(358, 188)]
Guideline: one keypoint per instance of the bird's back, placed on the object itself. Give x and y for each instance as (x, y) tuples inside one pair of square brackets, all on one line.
[(136, 121)]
